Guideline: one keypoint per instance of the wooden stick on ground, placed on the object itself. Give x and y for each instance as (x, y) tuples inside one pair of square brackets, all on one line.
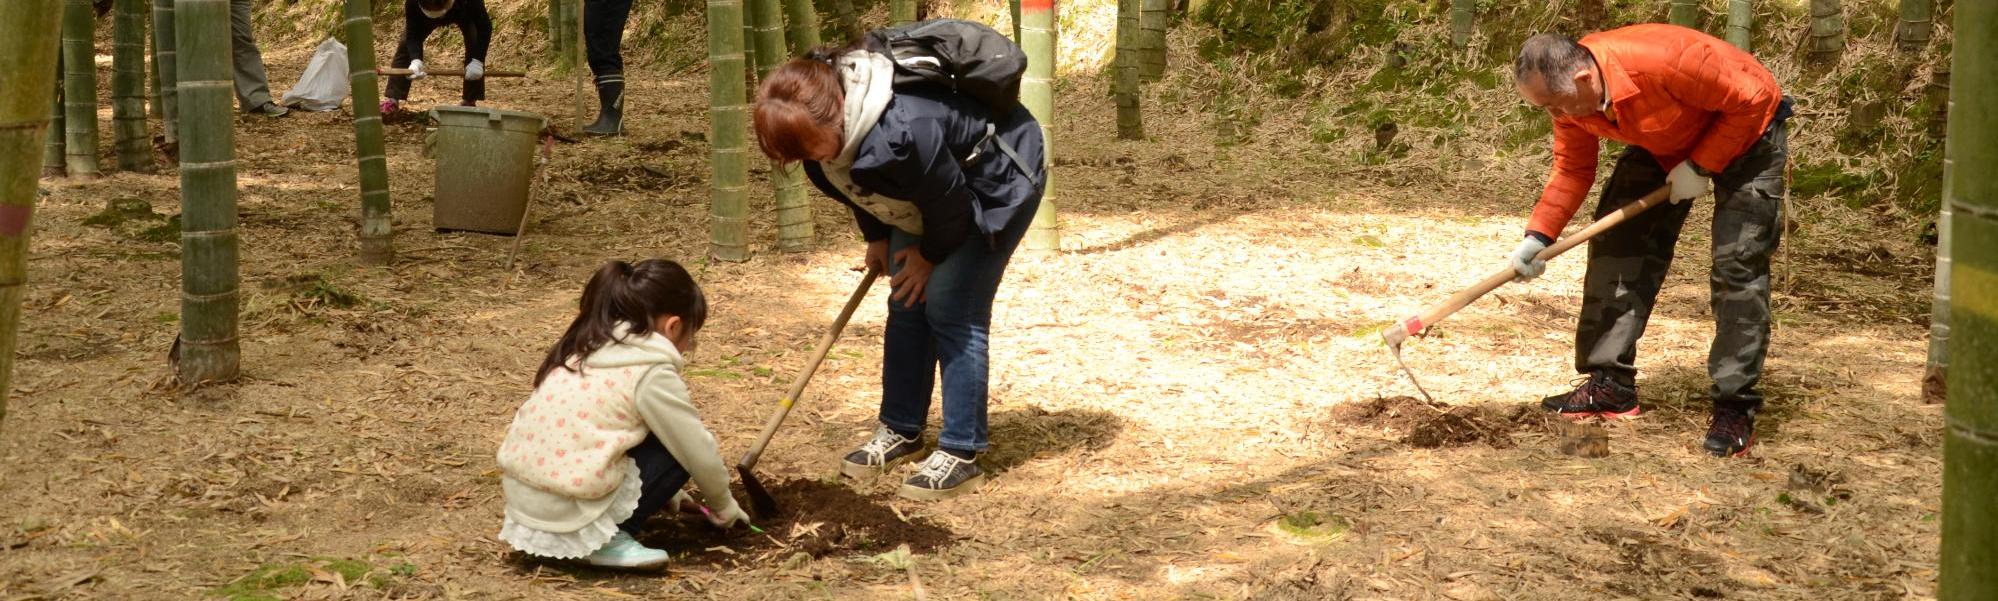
[(541, 182), (450, 72)]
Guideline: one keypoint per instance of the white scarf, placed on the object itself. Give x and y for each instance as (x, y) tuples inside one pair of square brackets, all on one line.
[(868, 79)]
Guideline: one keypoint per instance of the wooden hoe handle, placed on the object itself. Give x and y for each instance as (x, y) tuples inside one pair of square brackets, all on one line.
[(1395, 334), (450, 72), (811, 366)]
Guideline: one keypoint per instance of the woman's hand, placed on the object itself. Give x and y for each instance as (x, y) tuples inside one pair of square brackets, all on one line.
[(911, 281), (877, 256)]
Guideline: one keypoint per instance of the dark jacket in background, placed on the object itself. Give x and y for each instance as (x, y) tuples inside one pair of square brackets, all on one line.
[(916, 153), (472, 21)]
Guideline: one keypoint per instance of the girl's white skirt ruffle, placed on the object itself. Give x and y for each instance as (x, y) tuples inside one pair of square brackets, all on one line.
[(592, 536)]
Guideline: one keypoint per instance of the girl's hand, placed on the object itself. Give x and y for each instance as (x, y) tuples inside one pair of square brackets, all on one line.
[(729, 517), (913, 279), (877, 256), (684, 503)]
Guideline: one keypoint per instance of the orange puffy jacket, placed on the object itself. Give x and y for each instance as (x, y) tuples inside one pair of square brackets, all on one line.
[(1676, 92)]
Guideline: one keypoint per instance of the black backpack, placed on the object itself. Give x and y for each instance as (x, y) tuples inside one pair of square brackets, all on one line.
[(965, 57)]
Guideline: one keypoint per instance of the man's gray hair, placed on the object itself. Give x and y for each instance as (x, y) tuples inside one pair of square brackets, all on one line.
[(1553, 59)]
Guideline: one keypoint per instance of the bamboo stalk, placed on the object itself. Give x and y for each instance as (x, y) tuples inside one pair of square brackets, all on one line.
[(1827, 30), (901, 12), (1037, 38), (1741, 24), (1151, 56), (1684, 13), (165, 67), (794, 209), (53, 159), (377, 225), (727, 128), (803, 23), (128, 86), (1916, 25), (1464, 20), (1970, 447), (209, 350), (79, 53), (28, 53), (1124, 85), (848, 20)]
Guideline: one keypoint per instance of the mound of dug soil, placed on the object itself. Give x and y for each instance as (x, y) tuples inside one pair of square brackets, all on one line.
[(1436, 425), (813, 517)]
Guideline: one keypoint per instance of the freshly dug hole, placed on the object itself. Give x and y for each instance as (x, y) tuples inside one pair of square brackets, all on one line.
[(813, 517)]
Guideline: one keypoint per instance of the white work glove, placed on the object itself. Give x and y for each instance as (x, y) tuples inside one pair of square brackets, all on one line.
[(681, 501), (729, 517), (416, 70), (1686, 183), (474, 70), (1523, 261)]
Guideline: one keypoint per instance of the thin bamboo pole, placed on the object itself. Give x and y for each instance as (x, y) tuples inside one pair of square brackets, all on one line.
[(165, 65), (728, 128), (1124, 85), (128, 86), (209, 350), (1037, 38), (1970, 447), (377, 225), (79, 54), (54, 163), (27, 81), (794, 209)]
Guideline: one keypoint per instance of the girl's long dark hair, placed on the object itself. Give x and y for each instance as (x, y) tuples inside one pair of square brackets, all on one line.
[(620, 296)]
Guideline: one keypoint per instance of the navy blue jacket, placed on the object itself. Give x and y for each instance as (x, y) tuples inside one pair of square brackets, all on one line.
[(915, 153)]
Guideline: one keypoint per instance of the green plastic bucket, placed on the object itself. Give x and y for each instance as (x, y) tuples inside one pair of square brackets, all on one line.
[(485, 167)]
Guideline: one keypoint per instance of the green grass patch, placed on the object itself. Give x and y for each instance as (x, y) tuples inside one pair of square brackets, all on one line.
[(269, 582), (260, 584), (119, 211), (1314, 527)]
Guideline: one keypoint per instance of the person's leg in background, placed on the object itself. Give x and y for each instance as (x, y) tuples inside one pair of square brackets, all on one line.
[(477, 28), (603, 33), (253, 90)]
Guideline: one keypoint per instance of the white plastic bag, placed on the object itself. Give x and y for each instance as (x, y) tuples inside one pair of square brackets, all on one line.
[(324, 85)]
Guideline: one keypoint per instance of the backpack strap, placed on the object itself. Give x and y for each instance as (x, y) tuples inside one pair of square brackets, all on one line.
[(992, 136)]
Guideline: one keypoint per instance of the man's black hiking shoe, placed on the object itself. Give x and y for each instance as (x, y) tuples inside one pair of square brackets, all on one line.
[(878, 454), (942, 476), (1731, 433), (1598, 396)]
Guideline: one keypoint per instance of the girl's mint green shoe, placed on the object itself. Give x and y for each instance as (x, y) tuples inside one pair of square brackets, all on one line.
[(624, 552)]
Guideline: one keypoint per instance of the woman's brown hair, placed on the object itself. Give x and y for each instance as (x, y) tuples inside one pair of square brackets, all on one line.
[(799, 110)]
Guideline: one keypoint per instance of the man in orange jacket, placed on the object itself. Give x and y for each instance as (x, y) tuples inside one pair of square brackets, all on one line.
[(1693, 109)]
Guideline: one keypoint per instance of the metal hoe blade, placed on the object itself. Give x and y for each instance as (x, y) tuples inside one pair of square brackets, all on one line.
[(1410, 373)]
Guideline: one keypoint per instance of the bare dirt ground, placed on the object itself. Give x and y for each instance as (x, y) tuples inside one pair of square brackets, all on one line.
[(1167, 391)]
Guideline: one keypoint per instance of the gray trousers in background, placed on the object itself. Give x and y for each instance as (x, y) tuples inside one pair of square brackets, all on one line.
[(1627, 266), (252, 85)]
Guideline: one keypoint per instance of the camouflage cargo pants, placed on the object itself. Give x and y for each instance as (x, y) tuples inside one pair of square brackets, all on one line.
[(1627, 266)]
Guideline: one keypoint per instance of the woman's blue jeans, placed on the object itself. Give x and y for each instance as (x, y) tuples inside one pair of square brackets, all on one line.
[(947, 333)]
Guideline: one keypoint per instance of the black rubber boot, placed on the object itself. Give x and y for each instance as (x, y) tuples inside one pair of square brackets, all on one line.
[(610, 113)]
